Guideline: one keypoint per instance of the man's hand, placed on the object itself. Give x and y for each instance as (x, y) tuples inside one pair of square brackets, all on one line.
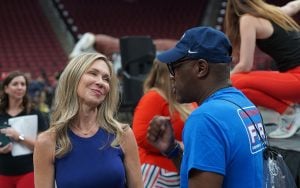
[(160, 133)]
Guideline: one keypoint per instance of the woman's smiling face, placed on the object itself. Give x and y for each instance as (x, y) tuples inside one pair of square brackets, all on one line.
[(16, 88), (94, 84)]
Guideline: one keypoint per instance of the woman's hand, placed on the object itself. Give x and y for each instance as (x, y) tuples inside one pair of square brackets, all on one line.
[(11, 133), (6, 149)]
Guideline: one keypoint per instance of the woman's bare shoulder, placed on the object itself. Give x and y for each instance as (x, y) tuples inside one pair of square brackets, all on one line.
[(46, 139), (248, 18), (45, 147)]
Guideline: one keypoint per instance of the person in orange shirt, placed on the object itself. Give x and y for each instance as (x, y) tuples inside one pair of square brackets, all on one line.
[(157, 169)]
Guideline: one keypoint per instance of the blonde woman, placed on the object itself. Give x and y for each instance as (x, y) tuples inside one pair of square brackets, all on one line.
[(85, 145), (157, 169), (254, 22)]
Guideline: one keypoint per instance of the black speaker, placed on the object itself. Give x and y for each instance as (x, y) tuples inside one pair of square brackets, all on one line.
[(137, 55)]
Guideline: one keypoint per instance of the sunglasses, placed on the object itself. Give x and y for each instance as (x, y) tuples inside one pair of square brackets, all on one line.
[(172, 66)]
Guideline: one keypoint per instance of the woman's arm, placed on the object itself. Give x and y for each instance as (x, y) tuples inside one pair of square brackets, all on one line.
[(43, 159), (131, 160), (17, 137), (248, 42), (20, 138), (6, 149), (291, 8)]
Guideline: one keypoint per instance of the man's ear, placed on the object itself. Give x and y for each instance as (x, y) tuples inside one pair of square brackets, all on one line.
[(202, 68)]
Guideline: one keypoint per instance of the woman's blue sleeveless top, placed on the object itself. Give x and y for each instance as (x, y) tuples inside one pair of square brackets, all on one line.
[(92, 163)]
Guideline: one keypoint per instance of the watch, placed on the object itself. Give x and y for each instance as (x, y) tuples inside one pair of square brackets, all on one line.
[(21, 137)]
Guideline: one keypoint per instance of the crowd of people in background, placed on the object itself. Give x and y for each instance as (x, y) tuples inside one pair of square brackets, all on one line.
[(40, 91)]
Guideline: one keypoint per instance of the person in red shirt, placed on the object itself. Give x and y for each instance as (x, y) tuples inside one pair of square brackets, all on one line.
[(157, 169)]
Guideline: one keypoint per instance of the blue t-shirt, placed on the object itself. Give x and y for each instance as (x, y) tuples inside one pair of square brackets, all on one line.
[(91, 163), (219, 137)]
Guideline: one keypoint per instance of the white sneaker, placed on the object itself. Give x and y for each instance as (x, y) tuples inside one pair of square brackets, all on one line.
[(288, 126), (85, 43)]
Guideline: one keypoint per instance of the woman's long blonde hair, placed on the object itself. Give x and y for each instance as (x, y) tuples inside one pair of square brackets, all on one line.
[(158, 79), (258, 8), (66, 105)]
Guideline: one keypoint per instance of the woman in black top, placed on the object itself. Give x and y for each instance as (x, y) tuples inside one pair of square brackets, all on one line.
[(272, 29), (16, 171)]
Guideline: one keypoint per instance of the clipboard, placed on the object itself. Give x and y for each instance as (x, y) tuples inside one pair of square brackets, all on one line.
[(26, 125)]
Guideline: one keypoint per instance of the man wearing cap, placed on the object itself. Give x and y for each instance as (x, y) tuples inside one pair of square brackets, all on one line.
[(223, 136)]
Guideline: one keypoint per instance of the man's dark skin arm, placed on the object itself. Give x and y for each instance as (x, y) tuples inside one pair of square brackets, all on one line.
[(200, 179), (160, 135), (176, 157)]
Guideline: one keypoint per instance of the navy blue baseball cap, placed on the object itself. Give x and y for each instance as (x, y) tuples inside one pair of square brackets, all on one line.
[(200, 43)]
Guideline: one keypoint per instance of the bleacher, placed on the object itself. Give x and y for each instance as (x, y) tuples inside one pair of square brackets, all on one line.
[(117, 18), (28, 42)]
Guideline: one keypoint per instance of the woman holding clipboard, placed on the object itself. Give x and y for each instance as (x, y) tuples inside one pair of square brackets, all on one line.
[(16, 171)]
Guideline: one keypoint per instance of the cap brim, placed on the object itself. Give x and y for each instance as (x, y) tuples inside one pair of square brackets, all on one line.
[(171, 55)]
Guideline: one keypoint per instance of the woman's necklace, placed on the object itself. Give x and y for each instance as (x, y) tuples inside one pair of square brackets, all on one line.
[(85, 132)]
